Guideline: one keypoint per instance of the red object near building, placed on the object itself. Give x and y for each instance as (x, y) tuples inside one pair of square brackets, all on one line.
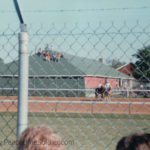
[(127, 69)]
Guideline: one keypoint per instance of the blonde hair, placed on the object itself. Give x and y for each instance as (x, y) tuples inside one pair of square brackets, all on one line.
[(39, 138)]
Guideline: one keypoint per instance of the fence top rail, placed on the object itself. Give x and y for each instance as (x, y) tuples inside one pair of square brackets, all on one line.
[(89, 89), (42, 76), (74, 101)]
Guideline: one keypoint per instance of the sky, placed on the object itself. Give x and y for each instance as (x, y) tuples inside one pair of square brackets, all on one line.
[(78, 16), (106, 15)]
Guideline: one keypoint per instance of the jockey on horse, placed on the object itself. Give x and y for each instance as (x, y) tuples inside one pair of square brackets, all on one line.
[(105, 91), (99, 90), (107, 87)]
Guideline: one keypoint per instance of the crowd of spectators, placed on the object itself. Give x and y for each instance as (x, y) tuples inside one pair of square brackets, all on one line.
[(49, 54)]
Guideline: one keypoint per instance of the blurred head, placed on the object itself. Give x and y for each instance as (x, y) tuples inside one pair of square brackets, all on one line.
[(134, 142), (39, 138), (121, 144), (100, 85)]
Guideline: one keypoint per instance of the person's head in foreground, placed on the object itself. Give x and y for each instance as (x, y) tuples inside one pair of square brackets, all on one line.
[(39, 138), (134, 142)]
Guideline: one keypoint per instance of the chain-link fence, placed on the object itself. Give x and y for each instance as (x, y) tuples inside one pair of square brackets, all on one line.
[(66, 65)]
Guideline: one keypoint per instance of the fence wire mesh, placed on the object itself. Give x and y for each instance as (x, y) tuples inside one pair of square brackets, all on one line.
[(66, 65)]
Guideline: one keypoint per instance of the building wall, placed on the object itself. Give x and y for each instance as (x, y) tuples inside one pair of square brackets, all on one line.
[(58, 86), (92, 82), (45, 86)]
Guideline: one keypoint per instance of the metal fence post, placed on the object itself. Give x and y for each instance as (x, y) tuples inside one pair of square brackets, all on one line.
[(22, 119)]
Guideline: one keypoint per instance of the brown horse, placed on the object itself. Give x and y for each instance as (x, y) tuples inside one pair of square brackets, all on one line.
[(103, 92)]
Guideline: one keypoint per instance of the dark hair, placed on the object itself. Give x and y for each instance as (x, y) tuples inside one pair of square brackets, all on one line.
[(121, 144), (134, 142)]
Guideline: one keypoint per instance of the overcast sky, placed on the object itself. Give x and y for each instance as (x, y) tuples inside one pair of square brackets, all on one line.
[(46, 12), (106, 15)]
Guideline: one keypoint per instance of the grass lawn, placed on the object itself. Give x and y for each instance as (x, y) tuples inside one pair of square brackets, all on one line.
[(79, 131)]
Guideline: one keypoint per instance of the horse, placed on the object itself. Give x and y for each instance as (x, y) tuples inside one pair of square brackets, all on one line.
[(103, 92)]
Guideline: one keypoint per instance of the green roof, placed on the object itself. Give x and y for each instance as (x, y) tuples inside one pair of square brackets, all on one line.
[(2, 68), (93, 67), (69, 65), (38, 66)]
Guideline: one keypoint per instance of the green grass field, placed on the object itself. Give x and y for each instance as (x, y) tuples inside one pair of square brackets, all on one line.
[(79, 131)]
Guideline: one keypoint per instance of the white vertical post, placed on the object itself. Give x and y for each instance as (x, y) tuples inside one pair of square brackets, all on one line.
[(22, 118)]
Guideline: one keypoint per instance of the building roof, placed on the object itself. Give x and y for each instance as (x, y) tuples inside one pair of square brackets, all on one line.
[(69, 65), (2, 69), (38, 66), (127, 69), (94, 67)]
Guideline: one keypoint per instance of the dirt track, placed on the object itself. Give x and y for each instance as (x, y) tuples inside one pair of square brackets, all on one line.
[(79, 105)]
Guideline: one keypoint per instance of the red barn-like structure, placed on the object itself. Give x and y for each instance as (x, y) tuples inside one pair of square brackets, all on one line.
[(127, 69)]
